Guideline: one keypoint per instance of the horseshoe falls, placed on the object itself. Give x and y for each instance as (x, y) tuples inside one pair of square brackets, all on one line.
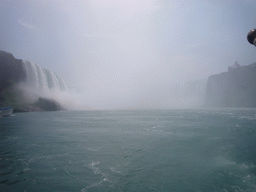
[(188, 94), (41, 82)]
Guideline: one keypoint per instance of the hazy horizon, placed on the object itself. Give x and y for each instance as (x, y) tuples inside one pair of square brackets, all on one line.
[(121, 53)]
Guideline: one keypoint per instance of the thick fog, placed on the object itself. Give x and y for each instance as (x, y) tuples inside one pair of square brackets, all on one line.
[(130, 54)]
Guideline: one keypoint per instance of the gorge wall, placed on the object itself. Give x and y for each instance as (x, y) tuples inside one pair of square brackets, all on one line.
[(11, 70), (233, 89)]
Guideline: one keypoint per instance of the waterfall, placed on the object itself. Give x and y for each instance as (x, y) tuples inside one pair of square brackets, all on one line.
[(41, 80), (188, 94)]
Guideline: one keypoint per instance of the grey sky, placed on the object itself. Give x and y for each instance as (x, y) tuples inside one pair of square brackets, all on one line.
[(116, 50)]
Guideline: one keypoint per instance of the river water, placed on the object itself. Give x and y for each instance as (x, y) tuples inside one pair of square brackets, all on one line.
[(143, 150)]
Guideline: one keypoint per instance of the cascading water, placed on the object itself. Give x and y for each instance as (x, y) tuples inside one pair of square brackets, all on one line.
[(42, 80), (41, 83), (188, 94)]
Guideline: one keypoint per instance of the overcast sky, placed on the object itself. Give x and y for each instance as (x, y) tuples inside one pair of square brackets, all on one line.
[(115, 49)]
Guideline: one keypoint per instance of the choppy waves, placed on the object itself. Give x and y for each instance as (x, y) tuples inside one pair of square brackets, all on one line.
[(161, 150)]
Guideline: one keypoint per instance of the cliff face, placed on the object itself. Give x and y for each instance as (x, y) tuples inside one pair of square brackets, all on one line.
[(11, 70), (235, 88)]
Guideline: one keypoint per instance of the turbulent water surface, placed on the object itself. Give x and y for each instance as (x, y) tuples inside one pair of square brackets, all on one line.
[(158, 150)]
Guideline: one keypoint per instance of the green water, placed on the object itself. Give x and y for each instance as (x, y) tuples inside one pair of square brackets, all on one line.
[(150, 150)]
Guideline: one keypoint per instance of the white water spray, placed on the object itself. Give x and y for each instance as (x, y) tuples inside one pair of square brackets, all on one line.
[(188, 94)]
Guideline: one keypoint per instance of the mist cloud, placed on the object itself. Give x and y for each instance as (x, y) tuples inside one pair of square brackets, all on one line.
[(128, 54)]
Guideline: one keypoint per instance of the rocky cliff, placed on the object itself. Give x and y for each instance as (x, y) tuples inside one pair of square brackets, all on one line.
[(235, 88), (11, 70)]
